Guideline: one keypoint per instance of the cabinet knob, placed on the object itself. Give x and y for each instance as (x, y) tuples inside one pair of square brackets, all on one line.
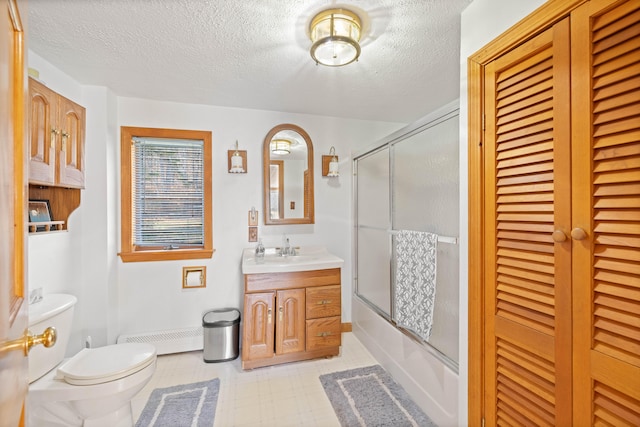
[(280, 310), (65, 135), (578, 234), (269, 316), (54, 134), (558, 236)]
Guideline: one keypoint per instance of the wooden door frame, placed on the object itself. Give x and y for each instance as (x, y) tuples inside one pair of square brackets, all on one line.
[(540, 19), (14, 312)]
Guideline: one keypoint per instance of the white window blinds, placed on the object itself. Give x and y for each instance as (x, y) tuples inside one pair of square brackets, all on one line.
[(168, 193)]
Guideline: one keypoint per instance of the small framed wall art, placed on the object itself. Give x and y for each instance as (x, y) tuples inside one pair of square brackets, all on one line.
[(40, 213)]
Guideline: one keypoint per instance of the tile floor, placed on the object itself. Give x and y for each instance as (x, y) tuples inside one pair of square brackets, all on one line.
[(282, 395)]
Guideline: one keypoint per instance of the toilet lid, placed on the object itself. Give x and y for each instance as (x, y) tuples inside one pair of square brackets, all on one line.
[(112, 362)]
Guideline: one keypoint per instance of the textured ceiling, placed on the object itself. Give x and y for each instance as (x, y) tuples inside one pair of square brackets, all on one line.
[(255, 53)]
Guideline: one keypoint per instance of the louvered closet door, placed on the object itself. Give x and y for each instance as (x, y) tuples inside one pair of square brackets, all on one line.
[(606, 205), (527, 274)]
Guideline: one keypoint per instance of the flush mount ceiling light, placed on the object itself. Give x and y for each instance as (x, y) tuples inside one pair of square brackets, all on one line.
[(280, 146), (335, 34)]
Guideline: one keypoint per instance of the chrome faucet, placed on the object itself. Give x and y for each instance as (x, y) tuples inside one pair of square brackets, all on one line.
[(285, 250)]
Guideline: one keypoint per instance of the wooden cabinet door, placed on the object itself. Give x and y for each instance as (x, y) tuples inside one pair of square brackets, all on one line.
[(290, 329), (42, 133), (606, 207), (527, 278), (258, 335), (71, 121)]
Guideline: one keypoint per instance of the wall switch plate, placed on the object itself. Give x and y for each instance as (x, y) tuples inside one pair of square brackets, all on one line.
[(253, 234), (253, 218)]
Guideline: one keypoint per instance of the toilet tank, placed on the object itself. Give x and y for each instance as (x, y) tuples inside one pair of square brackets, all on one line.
[(53, 310)]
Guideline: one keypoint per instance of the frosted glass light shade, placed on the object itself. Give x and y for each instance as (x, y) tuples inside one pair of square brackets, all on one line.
[(281, 146), (333, 168), (335, 34), (237, 165)]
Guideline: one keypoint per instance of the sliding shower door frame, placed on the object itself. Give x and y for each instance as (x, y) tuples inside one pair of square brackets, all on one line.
[(445, 113)]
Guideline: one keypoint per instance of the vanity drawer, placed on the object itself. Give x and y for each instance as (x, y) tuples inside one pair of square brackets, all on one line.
[(323, 301), (323, 333)]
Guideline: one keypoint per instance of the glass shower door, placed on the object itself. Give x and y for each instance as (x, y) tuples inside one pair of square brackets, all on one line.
[(372, 222), (425, 189)]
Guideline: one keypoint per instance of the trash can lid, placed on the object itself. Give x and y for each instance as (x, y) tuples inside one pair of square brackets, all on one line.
[(221, 317)]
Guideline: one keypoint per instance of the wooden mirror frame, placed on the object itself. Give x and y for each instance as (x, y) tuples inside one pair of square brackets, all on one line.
[(308, 185)]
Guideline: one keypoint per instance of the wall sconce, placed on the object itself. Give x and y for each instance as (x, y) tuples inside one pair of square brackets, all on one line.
[(335, 34), (237, 160), (280, 146), (330, 164)]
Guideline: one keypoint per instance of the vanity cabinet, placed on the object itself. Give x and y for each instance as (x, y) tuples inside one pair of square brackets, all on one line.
[(290, 317)]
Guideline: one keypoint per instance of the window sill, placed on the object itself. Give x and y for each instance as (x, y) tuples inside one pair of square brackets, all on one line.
[(174, 254)]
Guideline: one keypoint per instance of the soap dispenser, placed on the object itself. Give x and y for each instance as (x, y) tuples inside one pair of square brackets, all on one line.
[(259, 251)]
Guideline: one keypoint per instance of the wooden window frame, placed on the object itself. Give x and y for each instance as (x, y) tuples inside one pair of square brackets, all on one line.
[(128, 252)]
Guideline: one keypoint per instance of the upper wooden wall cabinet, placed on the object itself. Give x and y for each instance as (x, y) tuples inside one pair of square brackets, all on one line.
[(56, 139), (56, 150)]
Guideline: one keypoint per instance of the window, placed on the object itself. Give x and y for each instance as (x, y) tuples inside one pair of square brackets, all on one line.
[(165, 194)]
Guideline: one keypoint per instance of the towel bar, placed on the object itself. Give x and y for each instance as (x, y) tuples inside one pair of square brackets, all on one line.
[(441, 239)]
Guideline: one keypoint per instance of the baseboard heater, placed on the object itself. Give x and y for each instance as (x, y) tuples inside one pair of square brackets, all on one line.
[(170, 341)]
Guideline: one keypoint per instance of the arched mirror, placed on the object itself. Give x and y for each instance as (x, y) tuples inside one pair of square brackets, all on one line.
[(287, 157)]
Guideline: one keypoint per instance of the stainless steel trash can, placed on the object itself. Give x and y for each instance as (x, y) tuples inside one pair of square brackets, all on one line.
[(220, 331)]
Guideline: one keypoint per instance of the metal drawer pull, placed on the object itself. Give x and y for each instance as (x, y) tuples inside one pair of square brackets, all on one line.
[(323, 334), (280, 311), (269, 316), (324, 301)]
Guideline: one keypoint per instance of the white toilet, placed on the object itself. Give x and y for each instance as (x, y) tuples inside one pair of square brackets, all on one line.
[(94, 388)]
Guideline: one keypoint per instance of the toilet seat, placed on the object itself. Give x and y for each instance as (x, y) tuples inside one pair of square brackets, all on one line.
[(93, 366)]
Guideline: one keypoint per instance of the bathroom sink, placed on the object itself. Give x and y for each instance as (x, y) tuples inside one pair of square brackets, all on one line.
[(307, 258)]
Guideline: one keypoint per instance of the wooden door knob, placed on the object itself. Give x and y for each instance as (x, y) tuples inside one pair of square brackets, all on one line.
[(558, 236), (578, 234)]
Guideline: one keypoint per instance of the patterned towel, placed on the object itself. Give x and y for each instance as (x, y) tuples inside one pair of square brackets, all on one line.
[(415, 289)]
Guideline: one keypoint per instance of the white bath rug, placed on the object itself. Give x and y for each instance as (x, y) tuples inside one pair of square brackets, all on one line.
[(186, 405)]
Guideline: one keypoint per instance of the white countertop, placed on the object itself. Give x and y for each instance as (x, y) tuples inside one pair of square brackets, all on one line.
[(307, 258)]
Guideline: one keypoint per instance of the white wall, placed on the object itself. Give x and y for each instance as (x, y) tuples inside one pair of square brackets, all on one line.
[(116, 297), (150, 294), (482, 21), (55, 260)]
